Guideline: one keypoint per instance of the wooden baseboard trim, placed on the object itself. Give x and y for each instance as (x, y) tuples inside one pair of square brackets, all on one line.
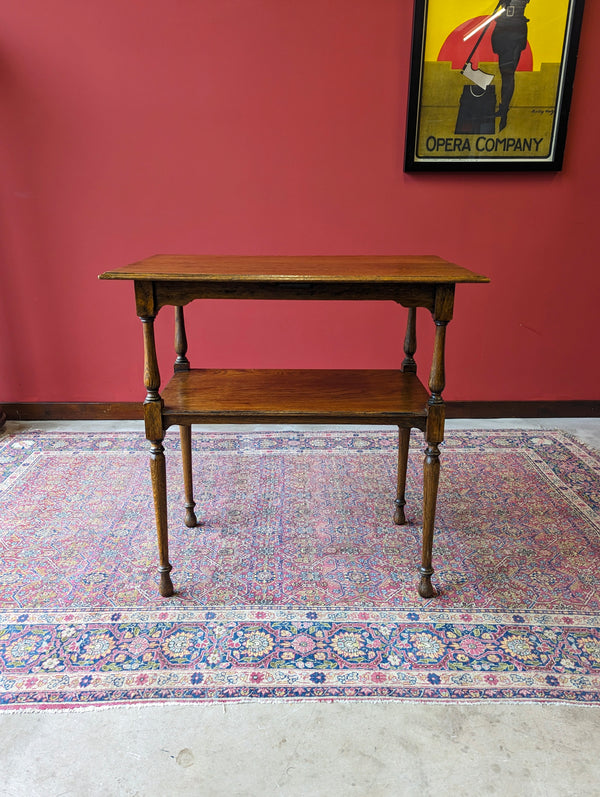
[(523, 409), (75, 411), (129, 411)]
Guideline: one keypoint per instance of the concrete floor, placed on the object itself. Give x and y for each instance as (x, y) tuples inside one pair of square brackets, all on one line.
[(308, 749)]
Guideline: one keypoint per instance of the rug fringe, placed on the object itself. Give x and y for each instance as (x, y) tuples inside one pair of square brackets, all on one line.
[(225, 702)]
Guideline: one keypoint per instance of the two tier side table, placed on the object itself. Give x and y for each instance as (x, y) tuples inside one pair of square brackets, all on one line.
[(387, 397)]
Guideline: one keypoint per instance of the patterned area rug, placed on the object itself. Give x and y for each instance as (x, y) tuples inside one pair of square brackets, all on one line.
[(298, 585)]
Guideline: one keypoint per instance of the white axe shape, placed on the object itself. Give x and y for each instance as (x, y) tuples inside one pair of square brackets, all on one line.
[(478, 76)]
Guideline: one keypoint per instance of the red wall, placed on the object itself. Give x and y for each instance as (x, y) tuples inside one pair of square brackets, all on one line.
[(268, 127)]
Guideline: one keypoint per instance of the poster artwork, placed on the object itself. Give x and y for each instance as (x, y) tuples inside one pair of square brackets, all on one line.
[(490, 83)]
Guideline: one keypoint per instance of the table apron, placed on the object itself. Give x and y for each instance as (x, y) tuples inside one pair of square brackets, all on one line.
[(152, 295)]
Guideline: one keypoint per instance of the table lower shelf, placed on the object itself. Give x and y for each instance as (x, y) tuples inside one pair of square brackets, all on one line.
[(295, 396)]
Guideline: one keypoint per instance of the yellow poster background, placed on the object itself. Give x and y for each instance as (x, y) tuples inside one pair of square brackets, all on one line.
[(546, 29), (528, 133)]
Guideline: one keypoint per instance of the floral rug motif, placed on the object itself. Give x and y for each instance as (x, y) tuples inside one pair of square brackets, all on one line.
[(298, 585)]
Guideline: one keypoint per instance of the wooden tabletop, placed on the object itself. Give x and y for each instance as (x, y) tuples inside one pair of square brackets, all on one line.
[(351, 268)]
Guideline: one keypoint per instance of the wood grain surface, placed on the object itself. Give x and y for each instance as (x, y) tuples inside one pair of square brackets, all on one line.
[(278, 395), (351, 268)]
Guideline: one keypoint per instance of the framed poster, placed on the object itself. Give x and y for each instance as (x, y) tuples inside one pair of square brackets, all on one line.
[(490, 84)]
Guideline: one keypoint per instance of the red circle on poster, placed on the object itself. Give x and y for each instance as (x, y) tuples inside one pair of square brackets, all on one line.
[(456, 50)]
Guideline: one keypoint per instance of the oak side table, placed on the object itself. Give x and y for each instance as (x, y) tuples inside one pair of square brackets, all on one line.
[(388, 397)]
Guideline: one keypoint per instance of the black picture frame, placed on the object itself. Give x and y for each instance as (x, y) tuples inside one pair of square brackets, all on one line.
[(457, 120)]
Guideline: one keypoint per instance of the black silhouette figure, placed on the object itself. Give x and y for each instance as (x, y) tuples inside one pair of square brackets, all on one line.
[(509, 39)]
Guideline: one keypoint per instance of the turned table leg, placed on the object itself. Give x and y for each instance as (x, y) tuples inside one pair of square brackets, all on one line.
[(159, 490), (403, 445), (434, 435), (431, 476), (410, 342), (408, 366), (155, 434), (181, 363), (185, 434)]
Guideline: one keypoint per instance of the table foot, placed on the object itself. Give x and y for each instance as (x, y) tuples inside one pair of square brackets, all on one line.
[(191, 521), (399, 516), (166, 585), (426, 588)]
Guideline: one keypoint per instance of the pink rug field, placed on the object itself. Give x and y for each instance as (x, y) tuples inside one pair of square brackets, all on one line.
[(298, 585)]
